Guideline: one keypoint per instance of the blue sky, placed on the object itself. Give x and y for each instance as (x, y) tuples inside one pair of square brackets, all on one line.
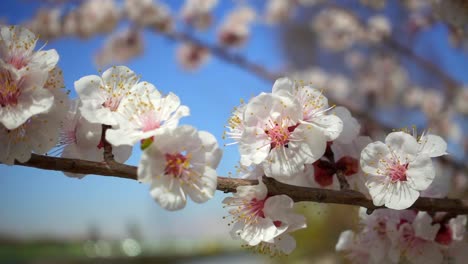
[(37, 202)]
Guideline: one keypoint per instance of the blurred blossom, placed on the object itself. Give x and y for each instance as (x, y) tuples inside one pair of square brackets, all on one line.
[(415, 5), (314, 76), (454, 12), (338, 87), (432, 102), (146, 13), (461, 100), (376, 4), (384, 79), (416, 22), (460, 184), (235, 29), (191, 56), (120, 47), (97, 16), (71, 23), (413, 97), (354, 59), (278, 11), (198, 12), (337, 30), (444, 124), (378, 28), (46, 23)]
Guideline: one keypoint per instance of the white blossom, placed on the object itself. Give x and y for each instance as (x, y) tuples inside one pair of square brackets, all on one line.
[(101, 96), (180, 161), (263, 221), (144, 112), (198, 12), (399, 168), (23, 74)]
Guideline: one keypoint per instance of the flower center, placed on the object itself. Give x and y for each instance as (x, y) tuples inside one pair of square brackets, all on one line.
[(9, 89), (397, 172), (323, 172), (176, 164), (149, 121), (18, 61), (444, 236), (348, 165), (279, 136), (112, 102)]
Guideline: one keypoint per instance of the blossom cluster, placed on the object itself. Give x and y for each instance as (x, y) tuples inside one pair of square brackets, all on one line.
[(406, 236), (32, 101), (177, 160), (295, 137)]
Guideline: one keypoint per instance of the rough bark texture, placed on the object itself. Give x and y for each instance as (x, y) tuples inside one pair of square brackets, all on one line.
[(298, 194)]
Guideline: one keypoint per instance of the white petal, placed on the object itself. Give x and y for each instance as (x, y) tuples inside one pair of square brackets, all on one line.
[(89, 88), (30, 103), (371, 156), (203, 189), (330, 125), (402, 144), (420, 173), (120, 76), (433, 146), (283, 87), (312, 145), (423, 227), (283, 163), (400, 196), (168, 193)]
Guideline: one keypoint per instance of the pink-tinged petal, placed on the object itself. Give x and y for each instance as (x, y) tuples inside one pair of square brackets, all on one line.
[(432, 146), (34, 102), (402, 144), (423, 227), (425, 253), (371, 156), (330, 125), (420, 173)]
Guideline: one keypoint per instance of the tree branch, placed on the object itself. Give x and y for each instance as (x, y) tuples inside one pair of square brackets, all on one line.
[(264, 74), (298, 194)]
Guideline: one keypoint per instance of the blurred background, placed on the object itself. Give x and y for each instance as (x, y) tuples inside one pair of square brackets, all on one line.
[(394, 64)]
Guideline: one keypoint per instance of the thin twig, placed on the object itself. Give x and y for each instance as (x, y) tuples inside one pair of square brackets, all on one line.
[(264, 74), (297, 193)]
